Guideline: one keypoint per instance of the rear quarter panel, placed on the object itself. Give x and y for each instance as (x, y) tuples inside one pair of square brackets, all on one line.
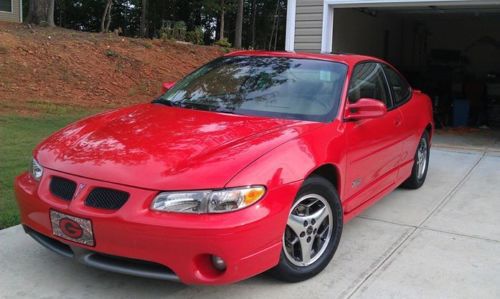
[(417, 114)]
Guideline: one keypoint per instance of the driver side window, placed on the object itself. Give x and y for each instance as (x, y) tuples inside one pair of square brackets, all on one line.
[(368, 81)]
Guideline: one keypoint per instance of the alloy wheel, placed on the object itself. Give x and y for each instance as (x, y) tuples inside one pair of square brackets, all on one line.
[(309, 230), (422, 158)]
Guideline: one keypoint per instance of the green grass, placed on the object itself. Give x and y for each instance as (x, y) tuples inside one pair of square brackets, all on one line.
[(18, 136)]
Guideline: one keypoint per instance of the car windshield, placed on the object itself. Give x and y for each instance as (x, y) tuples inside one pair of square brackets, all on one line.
[(303, 89)]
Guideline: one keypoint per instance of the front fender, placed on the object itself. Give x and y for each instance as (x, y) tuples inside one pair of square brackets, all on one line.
[(296, 159)]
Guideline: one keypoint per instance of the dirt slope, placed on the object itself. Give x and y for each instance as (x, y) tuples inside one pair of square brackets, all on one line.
[(59, 66)]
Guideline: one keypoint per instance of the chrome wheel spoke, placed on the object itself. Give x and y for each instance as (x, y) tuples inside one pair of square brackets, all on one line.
[(296, 223), (306, 249), (320, 216), (309, 229)]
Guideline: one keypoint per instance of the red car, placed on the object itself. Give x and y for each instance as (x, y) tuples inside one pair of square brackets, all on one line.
[(253, 162)]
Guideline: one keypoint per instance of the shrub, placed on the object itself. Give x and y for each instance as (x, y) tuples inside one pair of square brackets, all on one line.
[(195, 36), (223, 43), (173, 30)]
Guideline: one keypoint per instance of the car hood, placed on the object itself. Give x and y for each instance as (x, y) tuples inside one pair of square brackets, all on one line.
[(153, 146)]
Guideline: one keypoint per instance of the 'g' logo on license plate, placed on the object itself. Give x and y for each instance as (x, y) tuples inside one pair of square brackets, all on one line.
[(70, 228)]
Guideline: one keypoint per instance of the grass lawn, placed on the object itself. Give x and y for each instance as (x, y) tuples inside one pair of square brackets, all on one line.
[(18, 136)]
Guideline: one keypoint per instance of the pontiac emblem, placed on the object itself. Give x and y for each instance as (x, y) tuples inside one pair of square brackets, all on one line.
[(79, 189)]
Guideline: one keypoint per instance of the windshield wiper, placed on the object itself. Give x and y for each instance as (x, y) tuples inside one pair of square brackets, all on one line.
[(164, 102)]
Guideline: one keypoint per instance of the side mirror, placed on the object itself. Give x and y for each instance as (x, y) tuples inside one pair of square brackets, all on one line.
[(365, 109), (166, 86)]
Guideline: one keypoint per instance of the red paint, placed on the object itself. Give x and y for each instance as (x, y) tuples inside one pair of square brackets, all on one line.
[(149, 148)]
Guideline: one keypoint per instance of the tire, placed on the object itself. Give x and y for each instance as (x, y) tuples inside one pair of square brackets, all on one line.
[(324, 232), (418, 175)]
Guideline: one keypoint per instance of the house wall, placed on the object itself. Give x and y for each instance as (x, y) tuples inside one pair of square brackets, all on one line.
[(308, 25), (15, 15)]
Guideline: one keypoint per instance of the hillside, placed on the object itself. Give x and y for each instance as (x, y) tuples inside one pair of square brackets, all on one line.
[(54, 66)]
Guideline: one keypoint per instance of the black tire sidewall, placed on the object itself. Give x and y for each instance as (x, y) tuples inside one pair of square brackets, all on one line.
[(414, 182), (285, 270)]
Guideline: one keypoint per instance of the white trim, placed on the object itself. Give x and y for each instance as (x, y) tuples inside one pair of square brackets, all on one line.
[(20, 10), (402, 3), (327, 30), (11, 8), (290, 25)]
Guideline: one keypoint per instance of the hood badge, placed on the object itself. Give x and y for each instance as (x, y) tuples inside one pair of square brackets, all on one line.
[(79, 189)]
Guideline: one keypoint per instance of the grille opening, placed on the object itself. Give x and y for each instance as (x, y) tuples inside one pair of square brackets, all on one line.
[(109, 199), (62, 188)]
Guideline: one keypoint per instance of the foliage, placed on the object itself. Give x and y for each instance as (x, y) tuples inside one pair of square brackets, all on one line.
[(223, 43), (201, 19), (111, 53), (195, 36), (173, 30)]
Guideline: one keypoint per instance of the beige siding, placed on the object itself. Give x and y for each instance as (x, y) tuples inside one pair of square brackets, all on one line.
[(308, 23), (14, 16)]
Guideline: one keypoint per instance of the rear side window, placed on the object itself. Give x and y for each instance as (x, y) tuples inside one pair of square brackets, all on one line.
[(399, 87), (368, 81)]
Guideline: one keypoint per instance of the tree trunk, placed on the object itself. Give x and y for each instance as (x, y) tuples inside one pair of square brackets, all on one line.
[(239, 25), (221, 24), (109, 16), (104, 15), (144, 19), (41, 12), (254, 14)]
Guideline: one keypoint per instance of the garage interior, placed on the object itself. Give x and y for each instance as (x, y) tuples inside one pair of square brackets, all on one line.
[(450, 53)]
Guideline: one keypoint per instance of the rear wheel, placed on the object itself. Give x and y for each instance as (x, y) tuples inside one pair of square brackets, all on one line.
[(421, 164), (312, 233)]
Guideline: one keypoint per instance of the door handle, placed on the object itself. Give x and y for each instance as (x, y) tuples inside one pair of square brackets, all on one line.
[(397, 122)]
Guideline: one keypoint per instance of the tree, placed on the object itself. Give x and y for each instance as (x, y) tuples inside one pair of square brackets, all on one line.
[(144, 19), (221, 24), (106, 17), (41, 12), (239, 24)]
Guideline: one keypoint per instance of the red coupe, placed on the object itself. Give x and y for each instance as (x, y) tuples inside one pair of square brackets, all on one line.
[(253, 162)]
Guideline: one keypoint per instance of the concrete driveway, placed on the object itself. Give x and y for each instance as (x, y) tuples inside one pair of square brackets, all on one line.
[(442, 241)]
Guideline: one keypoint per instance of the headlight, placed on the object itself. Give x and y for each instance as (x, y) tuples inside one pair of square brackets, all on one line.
[(208, 201), (36, 170)]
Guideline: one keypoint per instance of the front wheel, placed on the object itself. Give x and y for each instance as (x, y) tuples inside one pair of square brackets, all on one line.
[(312, 233), (421, 164)]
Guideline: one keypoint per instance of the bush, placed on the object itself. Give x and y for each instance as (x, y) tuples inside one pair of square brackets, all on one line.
[(223, 43), (111, 53), (173, 30), (195, 36)]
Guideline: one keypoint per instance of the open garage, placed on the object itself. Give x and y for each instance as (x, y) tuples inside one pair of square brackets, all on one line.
[(448, 49)]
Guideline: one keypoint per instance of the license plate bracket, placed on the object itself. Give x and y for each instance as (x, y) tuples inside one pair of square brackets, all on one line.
[(72, 228)]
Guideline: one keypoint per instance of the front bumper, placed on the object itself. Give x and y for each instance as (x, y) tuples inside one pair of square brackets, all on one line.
[(135, 240)]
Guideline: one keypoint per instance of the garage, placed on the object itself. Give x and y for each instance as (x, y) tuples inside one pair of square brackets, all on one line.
[(448, 49)]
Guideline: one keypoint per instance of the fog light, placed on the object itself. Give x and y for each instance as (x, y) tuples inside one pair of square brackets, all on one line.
[(218, 263)]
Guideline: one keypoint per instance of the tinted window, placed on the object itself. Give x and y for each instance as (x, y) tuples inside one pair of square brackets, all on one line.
[(368, 81), (6, 5), (280, 87), (399, 87)]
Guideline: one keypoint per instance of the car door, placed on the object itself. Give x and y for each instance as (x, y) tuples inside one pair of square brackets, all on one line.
[(402, 95), (373, 145)]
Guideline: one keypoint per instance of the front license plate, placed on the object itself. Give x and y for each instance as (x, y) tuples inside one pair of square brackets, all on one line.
[(72, 228)]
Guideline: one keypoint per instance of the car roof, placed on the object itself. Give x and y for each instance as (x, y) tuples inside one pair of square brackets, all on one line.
[(349, 59)]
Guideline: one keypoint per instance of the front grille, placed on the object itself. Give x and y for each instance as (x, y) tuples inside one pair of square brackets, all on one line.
[(108, 199), (62, 188)]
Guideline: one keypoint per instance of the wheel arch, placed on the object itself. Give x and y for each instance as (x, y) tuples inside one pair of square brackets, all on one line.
[(331, 173)]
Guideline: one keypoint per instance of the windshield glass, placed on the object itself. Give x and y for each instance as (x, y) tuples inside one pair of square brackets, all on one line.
[(304, 89)]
